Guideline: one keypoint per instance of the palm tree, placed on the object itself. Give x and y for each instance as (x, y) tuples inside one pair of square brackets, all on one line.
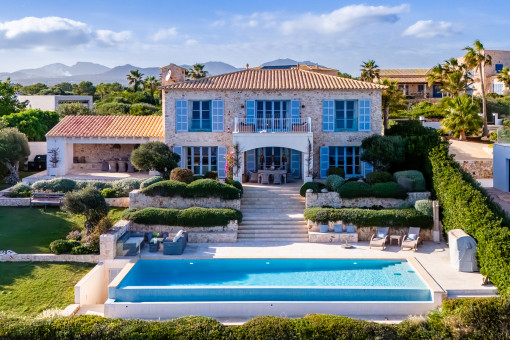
[(150, 84), (455, 83), (369, 71), (392, 97), (135, 78), (504, 76), (462, 116), (476, 59), (454, 76), (196, 72)]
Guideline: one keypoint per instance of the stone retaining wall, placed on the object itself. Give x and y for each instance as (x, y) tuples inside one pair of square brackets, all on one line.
[(138, 200), (316, 237), (89, 258), (122, 202), (218, 234), (108, 242), (365, 233), (333, 199), (478, 168), (14, 202)]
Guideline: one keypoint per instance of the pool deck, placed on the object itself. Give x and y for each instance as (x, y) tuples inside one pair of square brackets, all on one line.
[(434, 257)]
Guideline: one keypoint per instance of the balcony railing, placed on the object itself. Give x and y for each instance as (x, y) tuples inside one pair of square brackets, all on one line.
[(252, 125)]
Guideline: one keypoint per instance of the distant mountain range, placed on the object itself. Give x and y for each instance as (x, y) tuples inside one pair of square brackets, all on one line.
[(84, 71)]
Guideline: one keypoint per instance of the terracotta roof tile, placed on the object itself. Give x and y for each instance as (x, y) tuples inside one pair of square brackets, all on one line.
[(403, 72), (108, 126), (274, 79), (413, 80)]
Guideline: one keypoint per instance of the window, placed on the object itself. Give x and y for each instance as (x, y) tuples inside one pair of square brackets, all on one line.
[(346, 157), (201, 116), (498, 67), (497, 88), (271, 115), (421, 88), (201, 159), (345, 115)]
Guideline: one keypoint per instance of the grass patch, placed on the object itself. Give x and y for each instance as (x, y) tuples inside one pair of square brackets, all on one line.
[(31, 230), (28, 288)]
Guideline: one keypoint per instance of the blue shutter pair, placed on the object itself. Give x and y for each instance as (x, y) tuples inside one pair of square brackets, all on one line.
[(324, 161), (181, 115), (364, 115)]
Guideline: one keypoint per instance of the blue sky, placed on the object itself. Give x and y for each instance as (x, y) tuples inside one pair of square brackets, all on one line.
[(339, 34)]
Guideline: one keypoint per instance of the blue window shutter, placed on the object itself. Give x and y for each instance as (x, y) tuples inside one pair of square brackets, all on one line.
[(324, 162), (364, 115), (181, 115), (178, 150), (295, 162), (222, 152), (250, 160), (294, 111), (367, 168), (328, 115), (250, 112), (217, 115)]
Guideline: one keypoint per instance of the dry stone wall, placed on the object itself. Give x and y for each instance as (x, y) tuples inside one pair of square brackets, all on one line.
[(218, 234), (137, 200), (333, 199), (478, 168)]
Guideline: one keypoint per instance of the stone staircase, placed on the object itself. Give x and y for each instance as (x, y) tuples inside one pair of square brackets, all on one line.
[(272, 213)]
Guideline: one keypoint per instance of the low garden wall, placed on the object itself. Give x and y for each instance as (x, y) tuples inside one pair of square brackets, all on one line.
[(333, 199), (122, 202), (89, 258), (108, 242), (216, 234), (137, 200), (14, 202), (478, 168)]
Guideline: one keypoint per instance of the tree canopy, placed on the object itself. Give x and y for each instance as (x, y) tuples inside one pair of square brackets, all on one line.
[(13, 150), (462, 116), (33, 123), (383, 152), (72, 109), (196, 72), (155, 156), (369, 71), (9, 103)]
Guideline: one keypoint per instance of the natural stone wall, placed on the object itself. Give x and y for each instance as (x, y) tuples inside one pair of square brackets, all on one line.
[(122, 202), (235, 106), (96, 153), (365, 233), (333, 199), (14, 202), (219, 234), (478, 168), (316, 237), (108, 242), (138, 200), (89, 258)]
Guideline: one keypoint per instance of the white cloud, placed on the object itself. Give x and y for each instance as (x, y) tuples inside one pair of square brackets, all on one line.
[(344, 19), (54, 33), (431, 29), (191, 42), (165, 33), (264, 19)]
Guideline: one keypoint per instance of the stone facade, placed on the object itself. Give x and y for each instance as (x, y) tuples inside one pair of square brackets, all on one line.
[(478, 168), (235, 106), (333, 199), (137, 200), (498, 57), (108, 242), (219, 234), (122, 202), (97, 153), (365, 233), (316, 237)]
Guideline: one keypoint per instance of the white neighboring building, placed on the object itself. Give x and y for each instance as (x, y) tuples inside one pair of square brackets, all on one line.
[(51, 102)]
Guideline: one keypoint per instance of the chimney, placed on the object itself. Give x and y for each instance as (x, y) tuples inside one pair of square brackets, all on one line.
[(247, 66)]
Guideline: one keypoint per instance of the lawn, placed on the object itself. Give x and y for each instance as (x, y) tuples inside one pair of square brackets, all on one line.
[(28, 288), (31, 230)]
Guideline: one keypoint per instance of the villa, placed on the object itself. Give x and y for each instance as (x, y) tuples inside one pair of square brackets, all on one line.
[(275, 116), (413, 82)]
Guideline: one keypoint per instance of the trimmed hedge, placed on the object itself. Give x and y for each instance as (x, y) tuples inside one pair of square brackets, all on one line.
[(336, 171), (379, 177), (63, 246), (334, 182), (475, 318), (388, 190), (182, 175), (198, 188), (411, 180), (425, 207), (211, 174), (315, 186), (191, 217), (371, 217), (55, 185), (465, 205), (235, 184), (150, 181), (355, 189), (21, 190)]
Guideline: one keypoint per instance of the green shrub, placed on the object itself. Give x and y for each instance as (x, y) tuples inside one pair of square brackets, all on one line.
[(339, 171), (410, 180), (383, 152), (379, 177), (83, 249), (236, 184), (465, 205), (20, 190), (191, 217), (100, 186), (63, 246), (126, 185), (355, 189), (150, 181), (182, 175), (165, 189), (112, 193), (55, 185), (211, 174), (424, 206), (334, 182), (88, 202), (388, 190), (198, 188), (315, 186), (371, 217)]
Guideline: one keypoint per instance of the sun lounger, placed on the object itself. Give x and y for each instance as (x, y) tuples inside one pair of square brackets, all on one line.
[(412, 239), (380, 238)]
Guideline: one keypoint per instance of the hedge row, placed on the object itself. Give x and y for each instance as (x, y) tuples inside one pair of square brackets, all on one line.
[(466, 206), (191, 217), (198, 188), (483, 318), (381, 190), (371, 217)]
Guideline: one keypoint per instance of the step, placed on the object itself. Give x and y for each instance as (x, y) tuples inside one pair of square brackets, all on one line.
[(263, 234), (264, 211), (272, 222), (271, 195), (290, 219), (261, 239), (272, 227)]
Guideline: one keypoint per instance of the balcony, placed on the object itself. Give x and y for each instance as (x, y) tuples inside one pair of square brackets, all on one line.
[(275, 125)]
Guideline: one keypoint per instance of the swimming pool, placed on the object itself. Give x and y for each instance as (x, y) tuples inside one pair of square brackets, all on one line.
[(271, 280)]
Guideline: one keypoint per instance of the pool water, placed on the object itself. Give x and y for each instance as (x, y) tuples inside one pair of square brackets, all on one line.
[(271, 280)]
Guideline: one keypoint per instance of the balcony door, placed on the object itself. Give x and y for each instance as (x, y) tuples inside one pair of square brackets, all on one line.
[(272, 115)]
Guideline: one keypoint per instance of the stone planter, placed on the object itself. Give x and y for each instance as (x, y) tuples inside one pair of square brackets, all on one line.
[(323, 228), (333, 199), (138, 200)]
